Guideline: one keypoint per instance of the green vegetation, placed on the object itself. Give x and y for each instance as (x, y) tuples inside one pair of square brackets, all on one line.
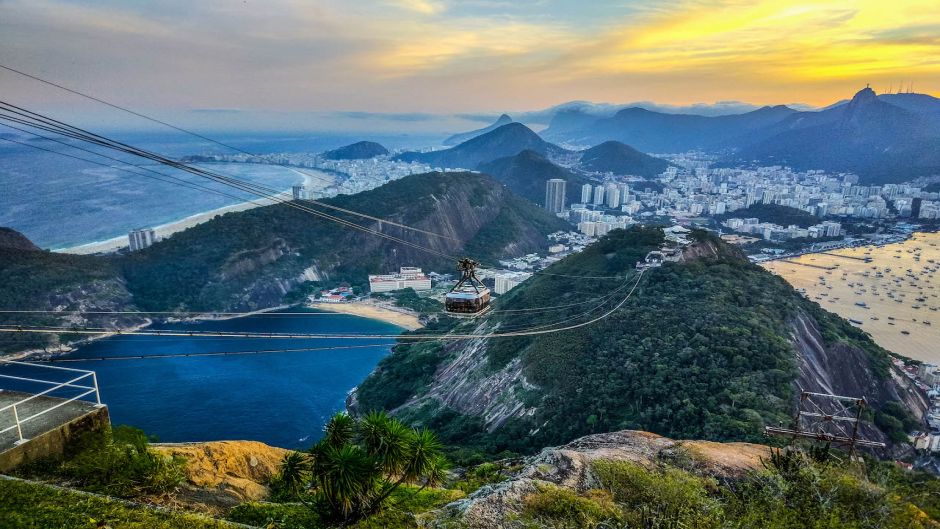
[(400, 511), (775, 213), (31, 275), (792, 492), (116, 461), (702, 350), (33, 506), (410, 299), (353, 472), (243, 260), (615, 157)]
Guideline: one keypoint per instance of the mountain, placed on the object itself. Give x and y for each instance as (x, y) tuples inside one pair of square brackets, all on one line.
[(526, 173), (615, 157), (652, 131), (878, 140), (262, 257), (710, 347), (464, 136), (926, 106), (507, 140), (15, 240), (356, 151)]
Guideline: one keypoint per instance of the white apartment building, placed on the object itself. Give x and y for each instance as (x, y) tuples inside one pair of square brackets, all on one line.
[(407, 277)]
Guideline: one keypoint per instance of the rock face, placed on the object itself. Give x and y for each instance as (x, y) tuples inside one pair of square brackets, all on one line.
[(569, 466), (222, 474)]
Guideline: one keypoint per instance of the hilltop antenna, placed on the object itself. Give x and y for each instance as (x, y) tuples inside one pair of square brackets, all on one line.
[(828, 418)]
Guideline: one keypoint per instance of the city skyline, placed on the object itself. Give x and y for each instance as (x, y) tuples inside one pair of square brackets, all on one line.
[(448, 57)]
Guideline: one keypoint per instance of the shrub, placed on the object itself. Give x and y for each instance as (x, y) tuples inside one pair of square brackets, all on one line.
[(660, 498), (119, 462), (563, 508)]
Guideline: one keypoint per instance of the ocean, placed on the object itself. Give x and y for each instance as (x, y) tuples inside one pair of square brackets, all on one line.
[(282, 399), (60, 202)]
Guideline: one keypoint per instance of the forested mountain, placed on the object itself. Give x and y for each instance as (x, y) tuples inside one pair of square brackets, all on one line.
[(464, 136), (507, 140), (619, 159), (256, 258), (712, 347), (356, 151), (878, 140), (526, 173), (12, 239)]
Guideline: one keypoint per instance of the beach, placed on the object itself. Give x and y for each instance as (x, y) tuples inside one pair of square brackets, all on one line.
[(385, 312), (314, 184), (891, 291)]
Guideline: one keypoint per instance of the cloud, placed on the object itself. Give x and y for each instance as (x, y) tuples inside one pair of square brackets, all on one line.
[(408, 57)]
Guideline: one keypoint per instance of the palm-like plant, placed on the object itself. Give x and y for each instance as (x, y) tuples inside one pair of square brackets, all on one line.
[(359, 464), (339, 431), (387, 440), (294, 475), (345, 477)]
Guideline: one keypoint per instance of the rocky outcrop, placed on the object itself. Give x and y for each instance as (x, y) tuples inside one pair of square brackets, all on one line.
[(570, 466), (223, 474), (466, 384), (842, 369)]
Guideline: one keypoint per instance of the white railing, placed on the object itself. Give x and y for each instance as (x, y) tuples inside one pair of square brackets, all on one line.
[(55, 386)]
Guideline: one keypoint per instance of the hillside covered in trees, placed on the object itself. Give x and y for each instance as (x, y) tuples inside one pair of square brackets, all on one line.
[(712, 347), (255, 259)]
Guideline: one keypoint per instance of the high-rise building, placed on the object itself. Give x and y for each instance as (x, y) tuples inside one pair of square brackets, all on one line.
[(300, 192), (586, 190), (141, 238), (613, 196), (598, 195), (555, 195), (915, 207), (506, 281)]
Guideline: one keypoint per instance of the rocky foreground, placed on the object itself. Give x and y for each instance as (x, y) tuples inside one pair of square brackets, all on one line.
[(570, 466)]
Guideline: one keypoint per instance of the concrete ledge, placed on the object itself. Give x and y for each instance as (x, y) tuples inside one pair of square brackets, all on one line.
[(52, 443)]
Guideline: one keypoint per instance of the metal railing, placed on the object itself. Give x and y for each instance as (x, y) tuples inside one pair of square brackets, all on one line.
[(55, 386)]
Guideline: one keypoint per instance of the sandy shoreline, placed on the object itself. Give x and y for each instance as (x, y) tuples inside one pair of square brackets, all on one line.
[(389, 314), (163, 231)]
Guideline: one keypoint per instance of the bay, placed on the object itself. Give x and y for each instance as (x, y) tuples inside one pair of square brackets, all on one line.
[(283, 398)]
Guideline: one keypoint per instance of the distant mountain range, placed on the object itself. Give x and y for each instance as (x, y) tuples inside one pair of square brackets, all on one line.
[(519, 158), (464, 136), (503, 141), (652, 131), (887, 138), (356, 151)]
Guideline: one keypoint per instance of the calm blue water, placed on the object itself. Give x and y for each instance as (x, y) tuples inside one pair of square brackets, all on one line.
[(283, 399), (40, 190)]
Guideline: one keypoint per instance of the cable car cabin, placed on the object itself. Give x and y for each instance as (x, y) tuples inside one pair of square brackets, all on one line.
[(469, 300), (469, 296)]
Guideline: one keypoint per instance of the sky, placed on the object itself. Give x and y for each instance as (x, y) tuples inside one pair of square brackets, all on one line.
[(408, 57)]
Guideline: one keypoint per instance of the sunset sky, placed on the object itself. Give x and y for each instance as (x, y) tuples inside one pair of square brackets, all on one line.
[(464, 56)]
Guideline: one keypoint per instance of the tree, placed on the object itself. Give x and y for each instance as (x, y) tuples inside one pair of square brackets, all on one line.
[(359, 463)]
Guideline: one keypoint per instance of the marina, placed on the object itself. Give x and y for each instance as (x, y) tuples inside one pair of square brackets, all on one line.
[(890, 291)]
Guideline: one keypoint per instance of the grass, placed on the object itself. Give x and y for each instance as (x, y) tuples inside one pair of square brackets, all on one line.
[(27, 505)]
